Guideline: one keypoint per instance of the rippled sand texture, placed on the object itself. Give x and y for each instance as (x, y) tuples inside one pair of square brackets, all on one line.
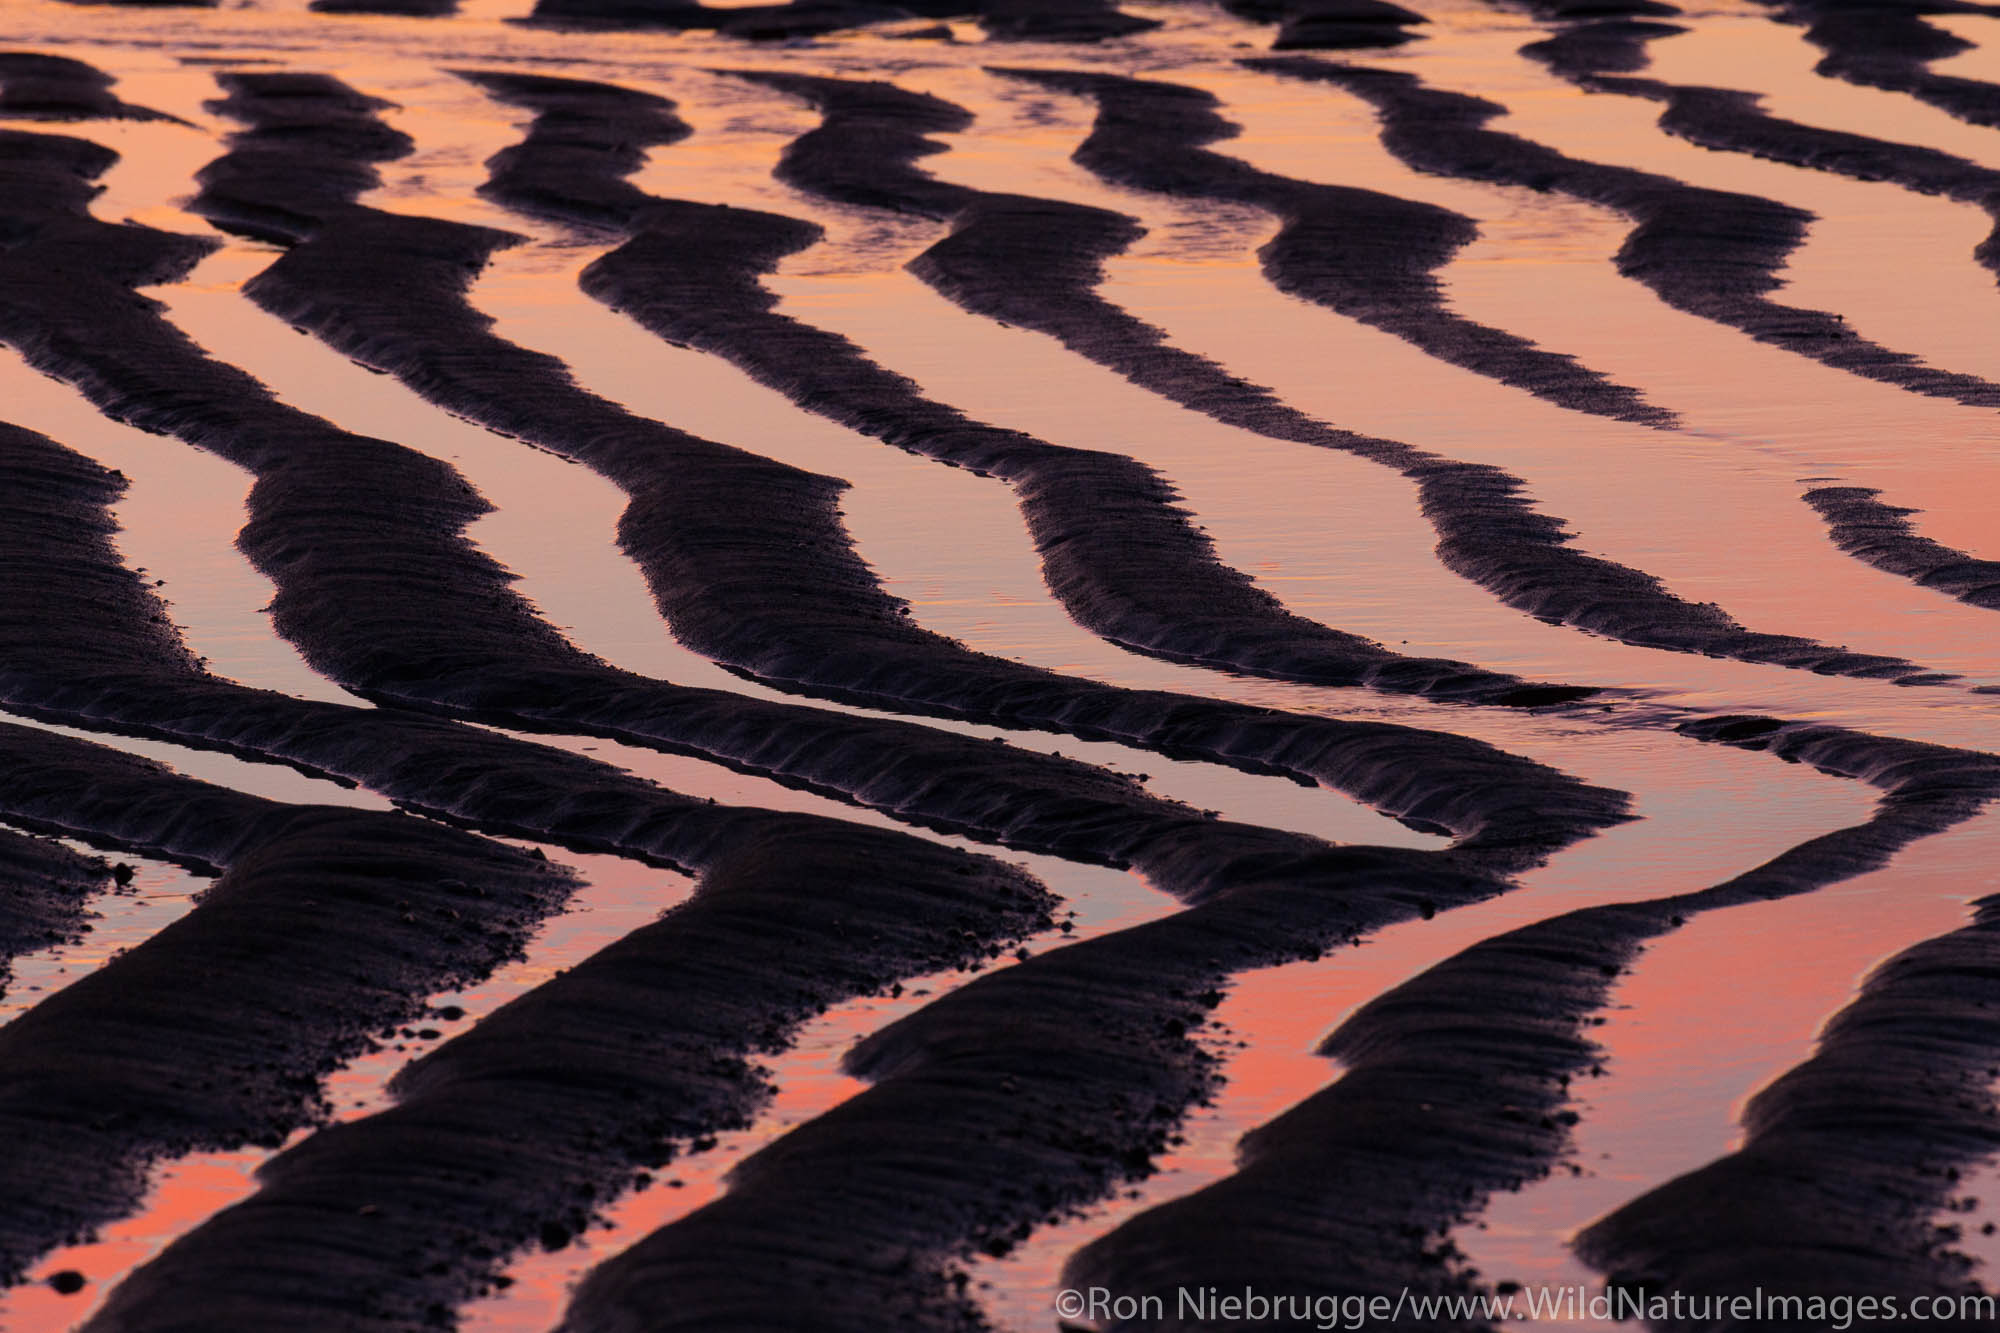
[(830, 665)]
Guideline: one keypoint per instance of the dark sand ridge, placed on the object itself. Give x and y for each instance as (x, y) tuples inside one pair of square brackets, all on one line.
[(1007, 20), (327, 925), (1456, 1083), (457, 640), (1714, 254), (1056, 1114), (1205, 843), (1596, 35), (1458, 1088), (34, 86), (624, 1060), (1330, 24), (1151, 136), (43, 888), (319, 285), (121, 667), (1848, 1159), (1601, 46), (1888, 45), (640, 1048), (1378, 885), (859, 646), (1611, 31), (448, 1117), (406, 8), (991, 1109), (1120, 555), (1387, 885), (1729, 120), (1292, 913), (633, 1051), (1882, 535), (1490, 534), (462, 1087), (1440, 131)]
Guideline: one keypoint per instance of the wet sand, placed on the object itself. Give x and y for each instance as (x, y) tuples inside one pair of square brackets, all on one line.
[(669, 751)]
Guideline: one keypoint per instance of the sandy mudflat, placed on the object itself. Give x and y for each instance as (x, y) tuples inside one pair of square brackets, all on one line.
[(831, 666)]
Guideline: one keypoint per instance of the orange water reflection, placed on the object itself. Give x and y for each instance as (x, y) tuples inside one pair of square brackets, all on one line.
[(1712, 1011)]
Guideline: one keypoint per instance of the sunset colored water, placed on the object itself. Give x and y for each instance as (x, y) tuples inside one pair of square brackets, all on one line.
[(839, 666)]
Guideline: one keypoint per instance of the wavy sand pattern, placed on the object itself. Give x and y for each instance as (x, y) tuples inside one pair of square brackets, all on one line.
[(1298, 646)]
